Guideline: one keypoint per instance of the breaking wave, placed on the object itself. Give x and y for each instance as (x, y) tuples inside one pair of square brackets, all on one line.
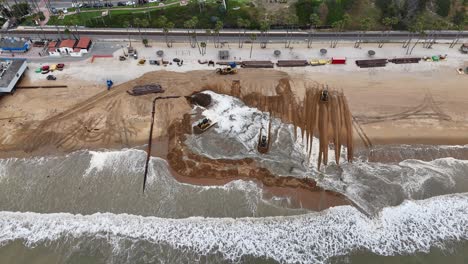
[(414, 226)]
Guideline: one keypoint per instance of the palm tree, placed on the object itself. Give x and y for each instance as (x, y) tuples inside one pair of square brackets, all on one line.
[(419, 28), (457, 37), (60, 12), (240, 24), (339, 27), (166, 28), (264, 28), (74, 21), (137, 23), (208, 35), (366, 24), (314, 21), (192, 24), (144, 23), (388, 22), (218, 26), (127, 25), (38, 19), (291, 21), (439, 25), (253, 37)]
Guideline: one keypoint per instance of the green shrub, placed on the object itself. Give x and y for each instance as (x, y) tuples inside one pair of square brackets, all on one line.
[(443, 7)]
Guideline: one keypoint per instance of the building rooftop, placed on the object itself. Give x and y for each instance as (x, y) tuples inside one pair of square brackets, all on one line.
[(52, 44), (10, 71), (11, 43), (83, 43), (67, 43)]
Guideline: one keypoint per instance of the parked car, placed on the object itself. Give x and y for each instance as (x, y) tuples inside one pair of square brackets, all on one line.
[(108, 5), (98, 5), (65, 10), (85, 5), (53, 10), (129, 3), (121, 4), (153, 1)]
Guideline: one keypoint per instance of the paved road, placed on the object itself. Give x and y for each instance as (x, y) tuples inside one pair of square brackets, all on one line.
[(67, 3), (180, 35)]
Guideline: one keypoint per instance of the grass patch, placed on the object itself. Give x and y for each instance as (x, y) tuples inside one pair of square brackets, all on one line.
[(179, 15)]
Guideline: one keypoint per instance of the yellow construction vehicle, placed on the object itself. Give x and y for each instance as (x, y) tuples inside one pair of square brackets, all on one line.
[(324, 96), (226, 70)]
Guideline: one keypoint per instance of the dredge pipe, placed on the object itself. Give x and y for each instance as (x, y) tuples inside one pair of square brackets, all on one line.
[(150, 140)]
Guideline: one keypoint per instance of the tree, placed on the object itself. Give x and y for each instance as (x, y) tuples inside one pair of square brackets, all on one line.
[(264, 28), (127, 25), (314, 22), (137, 23), (339, 27), (144, 24), (388, 22), (208, 34), (218, 26), (166, 28), (438, 26), (323, 11), (74, 22), (253, 37), (366, 24), (19, 10), (192, 24), (418, 27), (242, 24), (67, 30), (291, 20)]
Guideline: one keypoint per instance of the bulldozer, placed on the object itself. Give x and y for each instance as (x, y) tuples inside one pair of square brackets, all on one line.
[(324, 96), (226, 70), (203, 125)]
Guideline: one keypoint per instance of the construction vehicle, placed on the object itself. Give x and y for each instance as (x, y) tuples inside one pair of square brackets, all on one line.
[(324, 96), (264, 139), (226, 70), (203, 125)]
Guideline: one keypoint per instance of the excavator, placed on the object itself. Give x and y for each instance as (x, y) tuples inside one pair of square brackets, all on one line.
[(226, 70)]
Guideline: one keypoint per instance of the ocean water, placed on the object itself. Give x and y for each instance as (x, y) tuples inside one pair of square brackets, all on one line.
[(88, 206)]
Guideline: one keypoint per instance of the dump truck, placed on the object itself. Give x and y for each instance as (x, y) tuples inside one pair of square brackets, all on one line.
[(226, 70)]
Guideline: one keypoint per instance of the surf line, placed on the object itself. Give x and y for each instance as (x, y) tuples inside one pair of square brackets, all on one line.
[(150, 140)]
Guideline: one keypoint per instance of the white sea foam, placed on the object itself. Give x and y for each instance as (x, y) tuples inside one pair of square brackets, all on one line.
[(237, 121), (414, 226), (126, 158)]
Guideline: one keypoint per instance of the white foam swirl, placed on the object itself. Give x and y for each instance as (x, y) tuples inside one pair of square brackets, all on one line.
[(413, 226)]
